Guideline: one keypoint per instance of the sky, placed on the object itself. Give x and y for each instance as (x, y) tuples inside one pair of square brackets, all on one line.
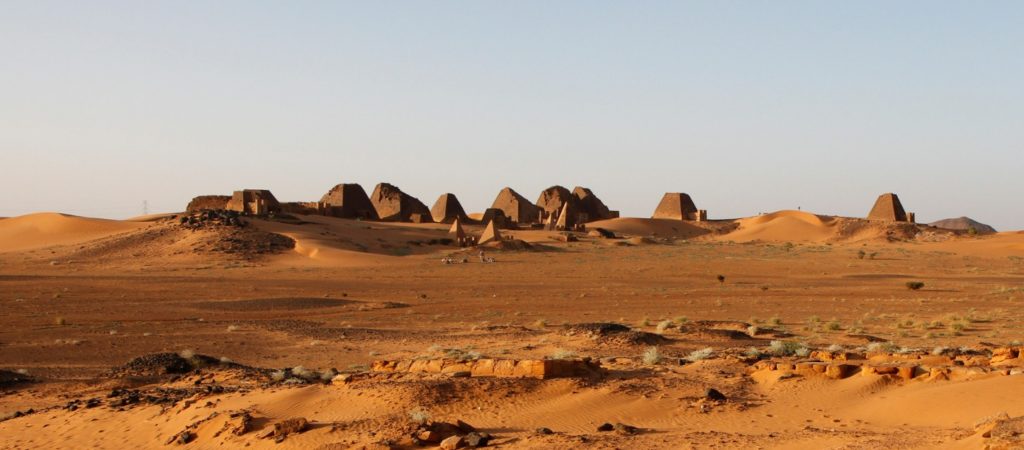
[(748, 106)]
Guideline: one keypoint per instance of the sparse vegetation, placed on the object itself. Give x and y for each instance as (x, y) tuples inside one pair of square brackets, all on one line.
[(663, 326), (915, 285), (881, 347), (652, 356), (563, 354), (787, 348), (419, 416), (698, 355)]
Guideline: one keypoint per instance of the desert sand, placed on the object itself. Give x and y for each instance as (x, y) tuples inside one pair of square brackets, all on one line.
[(785, 330)]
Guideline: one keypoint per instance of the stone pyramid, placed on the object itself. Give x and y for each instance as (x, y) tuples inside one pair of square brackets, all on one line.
[(888, 208), (447, 208), (456, 229), (491, 233), (676, 206)]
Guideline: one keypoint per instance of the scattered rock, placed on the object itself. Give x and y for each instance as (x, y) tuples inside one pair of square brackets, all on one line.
[(543, 431), (714, 394), (239, 423), (475, 439), (452, 443), (622, 428), (185, 437), (286, 427), (606, 427)]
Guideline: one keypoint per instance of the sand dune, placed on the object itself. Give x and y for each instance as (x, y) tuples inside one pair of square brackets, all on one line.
[(1001, 245), (42, 230), (346, 243), (789, 226), (646, 227)]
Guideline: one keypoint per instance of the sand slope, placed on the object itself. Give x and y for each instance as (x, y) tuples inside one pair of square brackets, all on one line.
[(42, 230), (646, 227), (348, 243), (795, 226), (1001, 245)]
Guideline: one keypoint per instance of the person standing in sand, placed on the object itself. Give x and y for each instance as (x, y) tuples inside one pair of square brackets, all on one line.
[(483, 257)]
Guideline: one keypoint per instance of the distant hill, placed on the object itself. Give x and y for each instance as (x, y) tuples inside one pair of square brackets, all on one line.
[(963, 224)]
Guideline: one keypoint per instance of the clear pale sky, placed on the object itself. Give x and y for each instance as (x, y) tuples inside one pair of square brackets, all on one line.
[(749, 106)]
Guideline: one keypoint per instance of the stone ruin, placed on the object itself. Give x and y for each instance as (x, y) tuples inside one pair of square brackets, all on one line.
[(463, 239), (491, 233), (562, 209), (256, 202), (517, 208), (553, 200), (678, 206), (889, 208), (208, 202), (347, 201), (593, 206), (543, 369), (447, 209), (497, 216), (393, 205)]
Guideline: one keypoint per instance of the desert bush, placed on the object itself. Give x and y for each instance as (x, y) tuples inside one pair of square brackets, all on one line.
[(787, 348), (882, 347), (663, 326), (419, 416), (915, 285), (957, 327), (563, 354), (698, 355), (652, 356), (304, 373)]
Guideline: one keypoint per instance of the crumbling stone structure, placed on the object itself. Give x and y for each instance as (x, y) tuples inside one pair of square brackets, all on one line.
[(447, 209), (676, 206), (566, 209), (592, 205), (491, 233), (888, 208), (306, 208), (393, 205), (499, 368), (208, 202), (517, 208), (497, 216), (347, 201), (256, 202)]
